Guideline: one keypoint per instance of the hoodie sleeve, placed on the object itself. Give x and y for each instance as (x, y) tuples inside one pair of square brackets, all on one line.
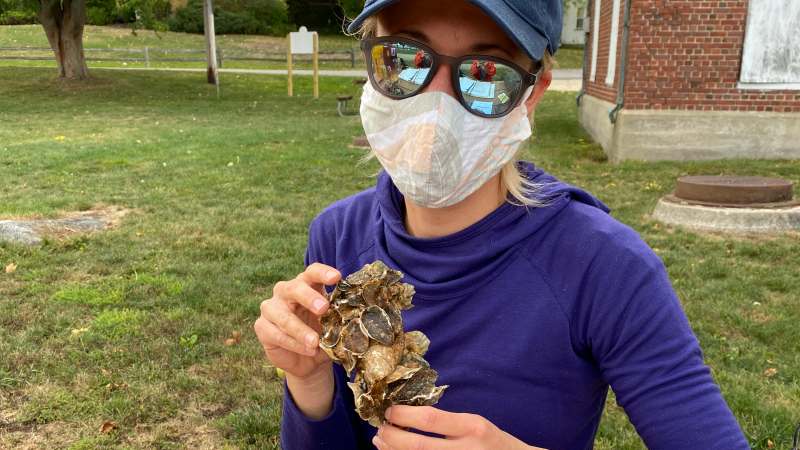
[(634, 326), (341, 429)]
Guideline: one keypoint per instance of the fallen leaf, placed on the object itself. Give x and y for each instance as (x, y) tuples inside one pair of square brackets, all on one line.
[(236, 336), (230, 342), (769, 361), (11, 268), (770, 444), (106, 373), (79, 330), (107, 427), (60, 137), (770, 372), (138, 233)]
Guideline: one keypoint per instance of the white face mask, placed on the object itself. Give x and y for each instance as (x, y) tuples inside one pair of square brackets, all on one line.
[(436, 152)]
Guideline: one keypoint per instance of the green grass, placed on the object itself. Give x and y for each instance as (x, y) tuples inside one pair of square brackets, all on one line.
[(218, 196), (569, 57)]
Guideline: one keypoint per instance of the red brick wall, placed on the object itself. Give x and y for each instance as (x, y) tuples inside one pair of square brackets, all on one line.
[(684, 55), (599, 88)]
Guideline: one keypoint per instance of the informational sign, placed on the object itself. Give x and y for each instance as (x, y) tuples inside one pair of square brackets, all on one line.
[(771, 51), (302, 41)]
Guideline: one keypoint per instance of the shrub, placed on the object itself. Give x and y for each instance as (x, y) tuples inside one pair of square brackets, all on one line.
[(99, 16), (18, 18), (188, 19), (234, 17)]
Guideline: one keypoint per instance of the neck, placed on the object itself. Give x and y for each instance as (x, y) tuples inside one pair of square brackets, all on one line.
[(436, 222)]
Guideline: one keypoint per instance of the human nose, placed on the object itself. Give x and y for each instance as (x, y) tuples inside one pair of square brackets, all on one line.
[(442, 81)]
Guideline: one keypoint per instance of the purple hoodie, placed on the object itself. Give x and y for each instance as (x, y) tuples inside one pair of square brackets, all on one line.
[(532, 313)]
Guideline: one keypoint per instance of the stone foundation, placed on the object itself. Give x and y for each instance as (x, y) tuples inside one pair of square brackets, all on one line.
[(653, 135)]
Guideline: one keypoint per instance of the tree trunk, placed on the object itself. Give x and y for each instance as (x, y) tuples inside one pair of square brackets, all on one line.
[(63, 22)]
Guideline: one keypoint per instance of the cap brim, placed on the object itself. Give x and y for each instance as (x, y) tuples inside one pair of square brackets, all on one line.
[(527, 38)]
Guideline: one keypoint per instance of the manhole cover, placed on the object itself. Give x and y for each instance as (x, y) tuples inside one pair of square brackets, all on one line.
[(733, 190)]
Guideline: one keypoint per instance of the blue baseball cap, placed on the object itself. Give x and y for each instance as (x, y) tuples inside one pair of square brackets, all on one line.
[(534, 25)]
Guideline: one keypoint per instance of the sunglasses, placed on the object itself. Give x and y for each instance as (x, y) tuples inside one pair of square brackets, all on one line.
[(486, 86)]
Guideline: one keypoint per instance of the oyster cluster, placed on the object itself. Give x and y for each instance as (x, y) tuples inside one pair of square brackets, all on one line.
[(363, 330)]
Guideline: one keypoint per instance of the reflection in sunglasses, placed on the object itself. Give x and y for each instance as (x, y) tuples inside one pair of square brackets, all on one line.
[(486, 86)]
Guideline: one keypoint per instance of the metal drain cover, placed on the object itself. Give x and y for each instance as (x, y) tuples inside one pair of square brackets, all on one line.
[(724, 190)]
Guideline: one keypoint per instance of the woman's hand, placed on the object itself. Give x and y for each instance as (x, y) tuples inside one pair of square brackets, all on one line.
[(289, 331), (461, 431)]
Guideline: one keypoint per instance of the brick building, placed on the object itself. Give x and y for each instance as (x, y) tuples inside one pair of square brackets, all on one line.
[(702, 79)]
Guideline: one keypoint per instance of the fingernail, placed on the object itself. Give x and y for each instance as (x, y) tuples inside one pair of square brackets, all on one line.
[(318, 304), (310, 340), (376, 441), (311, 351), (388, 413), (330, 274)]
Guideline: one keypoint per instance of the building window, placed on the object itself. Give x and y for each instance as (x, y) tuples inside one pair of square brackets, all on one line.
[(770, 58), (579, 23)]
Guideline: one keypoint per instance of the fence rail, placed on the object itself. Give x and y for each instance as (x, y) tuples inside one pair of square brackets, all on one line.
[(222, 55)]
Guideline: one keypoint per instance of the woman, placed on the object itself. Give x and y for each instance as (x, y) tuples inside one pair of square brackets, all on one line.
[(534, 299)]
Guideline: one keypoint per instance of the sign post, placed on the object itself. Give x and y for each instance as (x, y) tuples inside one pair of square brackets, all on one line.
[(211, 60), (289, 61), (303, 42)]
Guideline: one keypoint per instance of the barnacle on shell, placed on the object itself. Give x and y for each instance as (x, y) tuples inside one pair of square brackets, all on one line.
[(363, 331)]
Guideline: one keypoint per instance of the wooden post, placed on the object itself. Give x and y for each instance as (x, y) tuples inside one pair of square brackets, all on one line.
[(289, 61), (316, 66), (211, 60), (146, 58)]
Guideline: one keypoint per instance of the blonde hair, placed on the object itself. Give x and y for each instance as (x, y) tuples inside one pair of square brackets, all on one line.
[(521, 191)]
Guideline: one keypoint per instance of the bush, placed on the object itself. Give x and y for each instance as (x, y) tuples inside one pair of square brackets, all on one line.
[(100, 12), (99, 16), (124, 13), (18, 18), (188, 19), (234, 17)]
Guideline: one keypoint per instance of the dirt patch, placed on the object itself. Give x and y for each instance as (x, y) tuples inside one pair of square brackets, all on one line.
[(109, 214), (33, 436)]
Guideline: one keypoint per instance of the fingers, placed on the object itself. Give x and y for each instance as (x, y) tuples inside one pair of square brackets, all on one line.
[(393, 438), (284, 329), (430, 419), (318, 275), (272, 338), (298, 292)]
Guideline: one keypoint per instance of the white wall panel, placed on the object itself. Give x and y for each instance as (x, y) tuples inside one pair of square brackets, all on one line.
[(772, 42)]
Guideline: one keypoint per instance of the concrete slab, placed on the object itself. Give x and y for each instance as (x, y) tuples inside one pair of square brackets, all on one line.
[(655, 135), (30, 232), (730, 220)]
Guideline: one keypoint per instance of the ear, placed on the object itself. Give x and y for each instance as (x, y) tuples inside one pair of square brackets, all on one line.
[(538, 91)]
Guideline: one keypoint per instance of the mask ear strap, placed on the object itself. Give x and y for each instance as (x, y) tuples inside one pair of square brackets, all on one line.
[(525, 96)]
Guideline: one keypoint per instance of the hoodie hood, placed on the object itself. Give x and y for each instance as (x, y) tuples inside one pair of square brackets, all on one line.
[(452, 265)]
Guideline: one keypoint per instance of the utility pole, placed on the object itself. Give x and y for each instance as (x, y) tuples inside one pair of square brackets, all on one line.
[(211, 47)]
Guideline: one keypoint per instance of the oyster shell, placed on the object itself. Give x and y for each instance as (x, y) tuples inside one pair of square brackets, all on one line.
[(363, 330)]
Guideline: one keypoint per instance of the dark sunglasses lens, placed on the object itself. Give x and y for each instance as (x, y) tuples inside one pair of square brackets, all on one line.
[(489, 87), (399, 69)]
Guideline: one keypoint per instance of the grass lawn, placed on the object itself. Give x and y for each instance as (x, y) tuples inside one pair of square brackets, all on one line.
[(217, 196), (569, 57)]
